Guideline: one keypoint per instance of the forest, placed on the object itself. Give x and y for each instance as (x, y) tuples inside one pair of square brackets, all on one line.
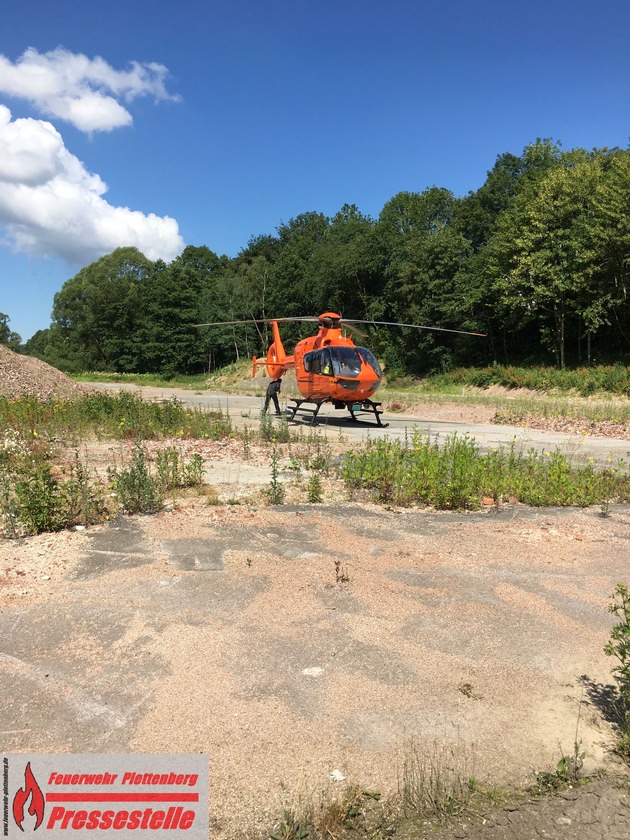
[(538, 259)]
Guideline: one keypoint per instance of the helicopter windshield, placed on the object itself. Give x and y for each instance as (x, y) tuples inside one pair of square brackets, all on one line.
[(346, 361), (370, 359)]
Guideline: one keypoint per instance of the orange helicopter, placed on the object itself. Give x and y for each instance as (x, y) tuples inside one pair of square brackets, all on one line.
[(329, 366)]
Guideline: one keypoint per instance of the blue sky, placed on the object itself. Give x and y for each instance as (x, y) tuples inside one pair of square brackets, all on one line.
[(212, 122)]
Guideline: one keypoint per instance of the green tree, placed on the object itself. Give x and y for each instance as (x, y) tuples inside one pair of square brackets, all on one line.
[(7, 335), (347, 268), (426, 253), (610, 230), (96, 314), (293, 292), (492, 219), (554, 256), (476, 215), (170, 306), (230, 298)]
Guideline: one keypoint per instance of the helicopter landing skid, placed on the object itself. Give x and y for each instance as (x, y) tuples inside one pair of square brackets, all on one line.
[(367, 406), (292, 410)]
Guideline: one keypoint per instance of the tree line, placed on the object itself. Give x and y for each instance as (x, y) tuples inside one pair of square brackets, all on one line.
[(538, 259)]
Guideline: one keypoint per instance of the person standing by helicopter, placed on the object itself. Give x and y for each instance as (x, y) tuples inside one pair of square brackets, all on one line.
[(273, 389)]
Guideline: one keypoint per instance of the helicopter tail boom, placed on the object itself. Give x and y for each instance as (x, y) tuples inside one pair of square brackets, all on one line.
[(277, 360)]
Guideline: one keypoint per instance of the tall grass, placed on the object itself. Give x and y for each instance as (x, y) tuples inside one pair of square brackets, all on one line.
[(116, 416), (613, 379), (457, 475), (193, 382)]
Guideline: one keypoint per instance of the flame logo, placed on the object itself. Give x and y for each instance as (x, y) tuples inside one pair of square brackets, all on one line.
[(36, 808)]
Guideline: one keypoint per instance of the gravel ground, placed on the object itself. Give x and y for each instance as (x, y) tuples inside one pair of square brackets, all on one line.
[(292, 642)]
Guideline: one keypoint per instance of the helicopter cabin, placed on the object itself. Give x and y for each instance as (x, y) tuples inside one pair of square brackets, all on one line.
[(341, 361)]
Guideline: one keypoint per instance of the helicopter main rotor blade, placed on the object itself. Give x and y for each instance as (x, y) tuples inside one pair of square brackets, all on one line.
[(353, 329), (413, 326), (309, 319), (232, 323)]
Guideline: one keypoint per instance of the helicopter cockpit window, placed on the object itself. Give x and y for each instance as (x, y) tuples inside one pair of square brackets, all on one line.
[(346, 362), (370, 359), (318, 362)]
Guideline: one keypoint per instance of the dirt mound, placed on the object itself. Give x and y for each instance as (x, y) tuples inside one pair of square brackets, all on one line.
[(24, 375)]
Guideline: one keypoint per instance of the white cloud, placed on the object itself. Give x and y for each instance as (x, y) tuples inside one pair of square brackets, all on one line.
[(83, 91), (50, 203)]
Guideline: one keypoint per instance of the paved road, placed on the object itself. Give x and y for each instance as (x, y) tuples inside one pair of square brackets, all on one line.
[(245, 409)]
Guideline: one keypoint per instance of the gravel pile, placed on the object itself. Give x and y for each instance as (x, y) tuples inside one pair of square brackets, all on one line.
[(26, 376)]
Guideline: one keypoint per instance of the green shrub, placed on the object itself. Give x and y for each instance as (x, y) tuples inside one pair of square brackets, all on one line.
[(619, 647), (314, 489), (174, 471), (137, 489), (35, 497), (457, 475)]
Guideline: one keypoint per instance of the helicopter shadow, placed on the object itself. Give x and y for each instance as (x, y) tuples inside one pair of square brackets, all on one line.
[(330, 421)]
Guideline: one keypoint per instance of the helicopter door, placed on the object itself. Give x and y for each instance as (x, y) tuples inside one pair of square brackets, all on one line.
[(326, 363), (318, 361)]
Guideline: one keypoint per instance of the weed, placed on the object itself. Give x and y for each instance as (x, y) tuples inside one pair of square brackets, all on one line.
[(197, 381), (568, 769), (35, 497), (314, 489), (339, 814), (289, 829), (275, 491), (274, 432), (140, 488), (210, 494), (9, 505), (435, 786), (282, 430), (619, 647), (585, 381), (137, 489), (321, 458), (173, 471), (566, 773), (118, 416), (85, 504), (245, 437), (570, 766), (40, 498), (265, 428), (310, 452), (295, 464)]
